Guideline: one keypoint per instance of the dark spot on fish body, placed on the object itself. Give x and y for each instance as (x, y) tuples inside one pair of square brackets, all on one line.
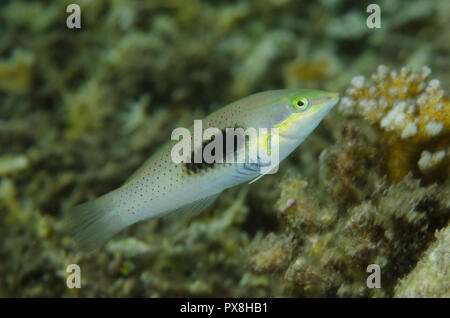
[(192, 168)]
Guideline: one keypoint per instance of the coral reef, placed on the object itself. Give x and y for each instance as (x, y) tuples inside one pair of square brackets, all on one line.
[(333, 231), (413, 114)]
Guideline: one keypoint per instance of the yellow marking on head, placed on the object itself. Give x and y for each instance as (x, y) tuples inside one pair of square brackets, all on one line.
[(283, 126)]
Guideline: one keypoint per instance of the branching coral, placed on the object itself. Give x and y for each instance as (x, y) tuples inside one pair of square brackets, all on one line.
[(413, 115), (352, 218), (80, 110), (271, 254)]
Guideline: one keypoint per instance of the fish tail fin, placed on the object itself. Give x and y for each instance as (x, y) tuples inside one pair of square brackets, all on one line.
[(95, 222)]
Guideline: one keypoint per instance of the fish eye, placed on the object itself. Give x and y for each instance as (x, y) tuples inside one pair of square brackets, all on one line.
[(301, 103)]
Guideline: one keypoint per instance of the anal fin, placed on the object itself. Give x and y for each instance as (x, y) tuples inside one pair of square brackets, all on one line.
[(195, 207)]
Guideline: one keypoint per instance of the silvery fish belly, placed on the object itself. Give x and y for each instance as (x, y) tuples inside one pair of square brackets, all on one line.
[(280, 121)]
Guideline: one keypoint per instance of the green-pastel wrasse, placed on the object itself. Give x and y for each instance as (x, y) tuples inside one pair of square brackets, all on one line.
[(162, 186)]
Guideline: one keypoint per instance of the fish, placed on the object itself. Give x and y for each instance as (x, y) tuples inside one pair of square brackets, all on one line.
[(163, 187)]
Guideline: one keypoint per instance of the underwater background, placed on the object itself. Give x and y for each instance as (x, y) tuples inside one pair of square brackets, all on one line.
[(81, 109)]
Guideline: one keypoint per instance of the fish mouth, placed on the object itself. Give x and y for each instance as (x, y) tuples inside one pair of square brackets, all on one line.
[(331, 100), (328, 103), (334, 99)]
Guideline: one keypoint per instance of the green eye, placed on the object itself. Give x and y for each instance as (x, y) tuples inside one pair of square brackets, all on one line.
[(301, 103)]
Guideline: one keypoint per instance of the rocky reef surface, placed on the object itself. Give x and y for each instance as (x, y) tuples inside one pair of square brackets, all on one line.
[(80, 110)]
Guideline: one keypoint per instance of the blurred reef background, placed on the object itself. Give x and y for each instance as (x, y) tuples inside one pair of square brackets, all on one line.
[(80, 110)]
